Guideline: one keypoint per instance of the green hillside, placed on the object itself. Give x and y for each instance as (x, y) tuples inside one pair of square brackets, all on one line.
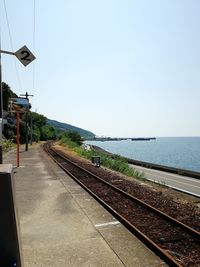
[(64, 126), (42, 128)]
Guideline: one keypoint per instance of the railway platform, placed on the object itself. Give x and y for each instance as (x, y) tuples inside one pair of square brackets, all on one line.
[(61, 225)]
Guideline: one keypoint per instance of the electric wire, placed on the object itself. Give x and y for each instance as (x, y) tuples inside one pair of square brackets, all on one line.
[(8, 25), (11, 44), (34, 16)]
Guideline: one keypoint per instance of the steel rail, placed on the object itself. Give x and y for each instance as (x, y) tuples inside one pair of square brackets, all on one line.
[(195, 234), (152, 245)]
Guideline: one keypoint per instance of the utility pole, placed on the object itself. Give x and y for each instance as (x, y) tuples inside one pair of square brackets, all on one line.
[(27, 95), (31, 130)]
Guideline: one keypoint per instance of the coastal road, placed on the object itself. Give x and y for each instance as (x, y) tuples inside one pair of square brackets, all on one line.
[(182, 183)]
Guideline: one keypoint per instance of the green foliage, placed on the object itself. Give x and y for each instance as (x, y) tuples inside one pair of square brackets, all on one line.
[(47, 132), (71, 138), (67, 142), (38, 120), (59, 133), (41, 130), (9, 132), (88, 154), (67, 127), (36, 134), (75, 137), (7, 93), (116, 163), (6, 144)]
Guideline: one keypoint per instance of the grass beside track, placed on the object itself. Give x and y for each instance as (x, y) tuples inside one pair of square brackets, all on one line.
[(116, 163), (7, 144)]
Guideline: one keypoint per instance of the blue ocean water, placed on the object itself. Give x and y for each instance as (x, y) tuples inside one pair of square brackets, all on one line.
[(179, 152)]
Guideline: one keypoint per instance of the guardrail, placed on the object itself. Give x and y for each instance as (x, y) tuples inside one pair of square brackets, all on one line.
[(154, 166), (10, 249)]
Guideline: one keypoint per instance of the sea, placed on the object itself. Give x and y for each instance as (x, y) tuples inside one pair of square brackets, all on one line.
[(178, 152)]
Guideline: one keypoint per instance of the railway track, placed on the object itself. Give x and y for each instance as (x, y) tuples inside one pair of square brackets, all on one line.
[(175, 242)]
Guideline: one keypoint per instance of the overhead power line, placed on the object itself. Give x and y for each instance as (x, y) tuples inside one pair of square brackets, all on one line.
[(34, 17), (34, 30), (8, 25), (11, 44)]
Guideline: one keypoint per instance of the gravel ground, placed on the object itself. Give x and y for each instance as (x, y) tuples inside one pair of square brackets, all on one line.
[(172, 239), (178, 205)]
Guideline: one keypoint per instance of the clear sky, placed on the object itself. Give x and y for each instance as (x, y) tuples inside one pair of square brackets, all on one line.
[(115, 67)]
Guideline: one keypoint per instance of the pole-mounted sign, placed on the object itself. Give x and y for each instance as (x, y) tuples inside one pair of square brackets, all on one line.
[(25, 57)]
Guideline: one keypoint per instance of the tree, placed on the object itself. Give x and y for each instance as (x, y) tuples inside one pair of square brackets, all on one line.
[(7, 93), (40, 129), (48, 133), (36, 134), (38, 120), (9, 132), (75, 137)]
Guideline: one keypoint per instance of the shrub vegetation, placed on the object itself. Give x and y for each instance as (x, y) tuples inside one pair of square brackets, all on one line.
[(115, 162), (71, 139), (43, 131)]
